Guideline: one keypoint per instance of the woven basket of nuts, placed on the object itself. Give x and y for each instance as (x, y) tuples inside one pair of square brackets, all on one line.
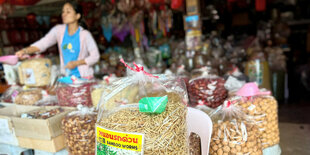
[(79, 131), (232, 133)]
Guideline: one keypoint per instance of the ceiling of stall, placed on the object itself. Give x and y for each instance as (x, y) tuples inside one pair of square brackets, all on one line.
[(44, 7)]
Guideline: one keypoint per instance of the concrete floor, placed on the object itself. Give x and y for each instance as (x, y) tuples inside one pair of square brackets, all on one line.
[(294, 129), (295, 139)]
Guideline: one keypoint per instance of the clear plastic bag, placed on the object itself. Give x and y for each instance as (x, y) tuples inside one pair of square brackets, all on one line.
[(29, 96), (143, 114), (207, 89), (72, 95), (10, 94), (47, 100), (263, 110), (35, 72), (232, 132), (194, 144), (79, 131), (97, 89)]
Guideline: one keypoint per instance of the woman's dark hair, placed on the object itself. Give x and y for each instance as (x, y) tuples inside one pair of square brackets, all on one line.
[(78, 9)]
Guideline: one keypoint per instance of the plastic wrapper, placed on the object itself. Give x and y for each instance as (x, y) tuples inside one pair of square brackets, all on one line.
[(79, 131), (207, 89), (144, 113), (276, 59), (257, 69), (47, 100), (29, 97), (183, 74), (72, 95), (263, 109), (194, 144), (97, 89), (35, 72), (10, 94), (233, 133), (42, 113)]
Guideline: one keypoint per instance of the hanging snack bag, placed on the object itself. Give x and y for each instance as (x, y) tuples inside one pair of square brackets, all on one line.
[(143, 114), (35, 72), (207, 89), (232, 133), (263, 109), (79, 131)]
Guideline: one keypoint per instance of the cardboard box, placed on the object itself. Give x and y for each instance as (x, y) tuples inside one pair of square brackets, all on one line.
[(192, 7), (7, 131), (44, 129), (54, 145)]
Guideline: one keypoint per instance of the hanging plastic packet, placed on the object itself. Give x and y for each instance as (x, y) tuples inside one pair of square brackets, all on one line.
[(232, 132), (143, 113)]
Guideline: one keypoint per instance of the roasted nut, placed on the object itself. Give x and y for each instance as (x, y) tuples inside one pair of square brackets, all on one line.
[(79, 131)]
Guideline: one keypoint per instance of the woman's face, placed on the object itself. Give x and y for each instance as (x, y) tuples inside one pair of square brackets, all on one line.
[(69, 15)]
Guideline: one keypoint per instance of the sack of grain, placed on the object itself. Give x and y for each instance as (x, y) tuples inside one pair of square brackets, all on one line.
[(35, 72), (143, 114)]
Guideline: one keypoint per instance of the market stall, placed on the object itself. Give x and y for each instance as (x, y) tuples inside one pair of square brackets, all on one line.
[(158, 88)]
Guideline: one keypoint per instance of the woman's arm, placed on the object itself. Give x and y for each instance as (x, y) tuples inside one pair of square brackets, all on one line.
[(73, 64), (27, 50), (41, 45), (92, 48)]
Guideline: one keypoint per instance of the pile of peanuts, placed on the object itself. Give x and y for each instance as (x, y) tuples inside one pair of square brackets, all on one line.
[(194, 144), (80, 135), (234, 138), (264, 111), (210, 92)]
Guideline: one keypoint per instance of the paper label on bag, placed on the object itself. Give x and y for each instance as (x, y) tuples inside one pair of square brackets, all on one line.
[(252, 107), (116, 142), (29, 76)]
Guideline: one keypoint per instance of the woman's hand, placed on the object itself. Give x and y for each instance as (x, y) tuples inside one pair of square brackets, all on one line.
[(72, 65), (20, 54)]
